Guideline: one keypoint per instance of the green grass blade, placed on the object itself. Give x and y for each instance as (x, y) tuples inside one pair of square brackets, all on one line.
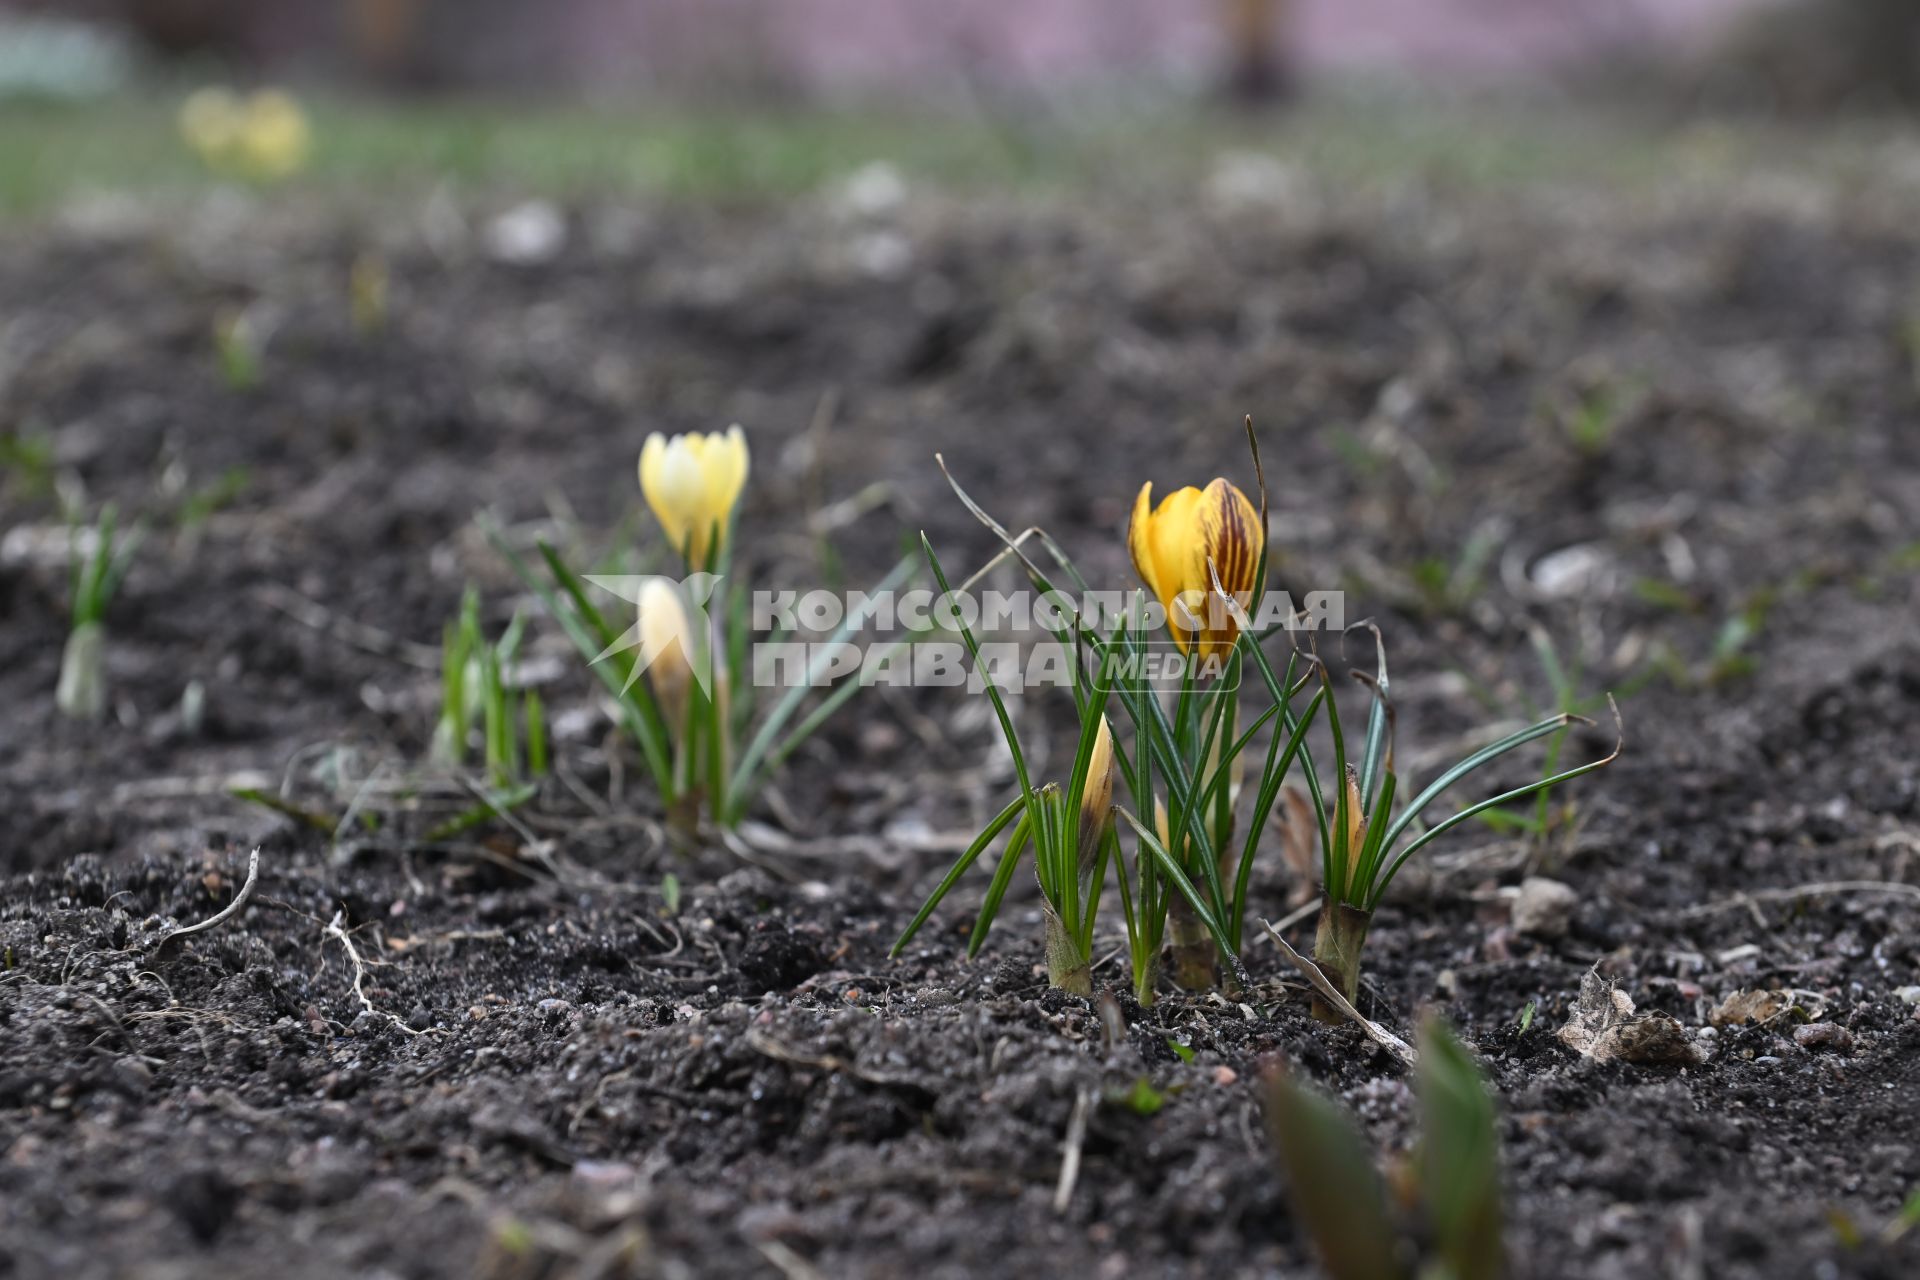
[(959, 869), (590, 635), (1518, 793), (1281, 692), (491, 805), (1177, 876), (536, 727), (1272, 777), (1378, 744), (1002, 877), (999, 703), (1372, 849), (1478, 759)]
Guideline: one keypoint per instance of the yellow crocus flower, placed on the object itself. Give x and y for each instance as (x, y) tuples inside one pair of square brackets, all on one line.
[(692, 482), (274, 137), (1173, 546), (259, 138)]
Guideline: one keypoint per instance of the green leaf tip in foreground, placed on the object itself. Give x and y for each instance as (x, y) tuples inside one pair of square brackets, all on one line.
[(1459, 1156), (1337, 1195)]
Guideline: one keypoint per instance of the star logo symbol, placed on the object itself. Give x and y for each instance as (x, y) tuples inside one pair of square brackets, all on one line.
[(672, 613)]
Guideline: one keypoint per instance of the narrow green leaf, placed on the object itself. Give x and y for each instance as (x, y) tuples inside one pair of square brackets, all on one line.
[(1177, 877), (491, 805), (1002, 877), (1518, 793), (1337, 1194), (993, 693), (960, 866), (1459, 1156), (267, 800), (1484, 756)]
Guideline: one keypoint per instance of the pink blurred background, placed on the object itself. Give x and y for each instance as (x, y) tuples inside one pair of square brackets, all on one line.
[(847, 47)]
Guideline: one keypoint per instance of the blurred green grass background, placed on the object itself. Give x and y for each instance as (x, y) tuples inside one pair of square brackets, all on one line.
[(52, 153)]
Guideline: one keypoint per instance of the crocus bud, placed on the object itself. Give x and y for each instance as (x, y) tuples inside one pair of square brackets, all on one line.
[(1096, 797), (666, 648), (1356, 832)]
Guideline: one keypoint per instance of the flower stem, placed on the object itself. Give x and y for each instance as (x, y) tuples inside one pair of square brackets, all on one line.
[(1336, 949), (82, 691), (1192, 946), (1069, 965)]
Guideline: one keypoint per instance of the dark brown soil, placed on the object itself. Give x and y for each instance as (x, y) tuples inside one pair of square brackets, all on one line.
[(554, 1076)]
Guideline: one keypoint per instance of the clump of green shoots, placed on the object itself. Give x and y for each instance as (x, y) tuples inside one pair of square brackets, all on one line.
[(1365, 841), (1071, 830), (1342, 1202), (98, 560), (1184, 766), (474, 692), (682, 678)]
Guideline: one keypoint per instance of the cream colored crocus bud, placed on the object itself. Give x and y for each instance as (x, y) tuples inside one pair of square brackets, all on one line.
[(692, 482), (1096, 796), (666, 648)]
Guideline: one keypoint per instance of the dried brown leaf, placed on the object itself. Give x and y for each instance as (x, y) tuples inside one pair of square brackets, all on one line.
[(1744, 1007), (1605, 1027)]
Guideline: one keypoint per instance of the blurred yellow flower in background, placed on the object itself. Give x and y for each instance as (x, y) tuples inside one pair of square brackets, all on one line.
[(260, 138), (692, 482)]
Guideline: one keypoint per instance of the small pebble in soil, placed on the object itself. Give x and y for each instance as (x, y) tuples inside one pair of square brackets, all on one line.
[(1544, 907), (1824, 1035)]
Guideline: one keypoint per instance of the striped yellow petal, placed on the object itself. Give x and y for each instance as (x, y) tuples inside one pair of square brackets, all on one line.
[(1179, 547)]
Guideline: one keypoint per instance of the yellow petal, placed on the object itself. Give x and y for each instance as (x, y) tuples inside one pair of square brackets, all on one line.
[(1231, 541), (726, 466), (692, 482), (1097, 793), (1159, 540), (274, 135), (1140, 539)]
